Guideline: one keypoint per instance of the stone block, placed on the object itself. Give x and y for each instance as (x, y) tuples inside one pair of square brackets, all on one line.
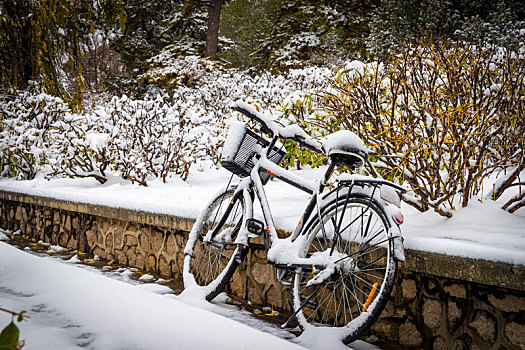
[(262, 273), (121, 257), (273, 296), (139, 261), (409, 335), (485, 326), (440, 344), (108, 241), (171, 244), (91, 237), (382, 329), (131, 255), (431, 285), (144, 242), (515, 333), (157, 240), (131, 241), (453, 315), (175, 270), (237, 283), (409, 289), (100, 252), (456, 291), (432, 313), (28, 229), (254, 293), (18, 214), (180, 238), (67, 224), (151, 263), (118, 238), (509, 303), (163, 267)]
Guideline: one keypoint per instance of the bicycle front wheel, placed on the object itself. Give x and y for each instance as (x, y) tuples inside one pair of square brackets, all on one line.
[(354, 296), (211, 253)]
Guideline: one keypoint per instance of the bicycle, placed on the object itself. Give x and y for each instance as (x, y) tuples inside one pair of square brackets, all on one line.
[(341, 259)]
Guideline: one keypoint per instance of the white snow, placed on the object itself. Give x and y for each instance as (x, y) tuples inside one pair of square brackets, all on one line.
[(343, 139), (480, 231), (71, 307), (3, 236)]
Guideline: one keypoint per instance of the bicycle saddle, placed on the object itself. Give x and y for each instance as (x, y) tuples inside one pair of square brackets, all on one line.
[(344, 147)]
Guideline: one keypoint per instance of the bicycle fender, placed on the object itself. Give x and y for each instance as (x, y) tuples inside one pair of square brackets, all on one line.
[(397, 238)]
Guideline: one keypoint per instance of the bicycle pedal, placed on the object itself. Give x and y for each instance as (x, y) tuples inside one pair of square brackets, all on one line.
[(255, 226)]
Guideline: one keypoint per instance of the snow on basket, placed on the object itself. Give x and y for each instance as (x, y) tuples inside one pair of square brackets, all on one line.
[(240, 147)]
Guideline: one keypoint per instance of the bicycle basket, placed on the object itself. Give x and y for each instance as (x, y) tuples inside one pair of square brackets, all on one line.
[(239, 149)]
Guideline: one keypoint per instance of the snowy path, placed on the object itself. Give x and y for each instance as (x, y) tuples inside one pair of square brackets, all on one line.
[(74, 306), (71, 308)]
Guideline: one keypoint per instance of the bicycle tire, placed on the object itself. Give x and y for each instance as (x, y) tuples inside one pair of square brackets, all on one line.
[(340, 301), (212, 265)]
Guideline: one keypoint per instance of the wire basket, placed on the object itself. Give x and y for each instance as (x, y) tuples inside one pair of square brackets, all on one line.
[(239, 149)]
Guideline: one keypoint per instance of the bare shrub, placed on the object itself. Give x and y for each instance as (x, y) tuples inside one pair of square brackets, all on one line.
[(438, 116), (80, 143)]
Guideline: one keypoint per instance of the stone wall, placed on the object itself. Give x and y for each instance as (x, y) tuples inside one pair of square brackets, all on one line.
[(438, 302)]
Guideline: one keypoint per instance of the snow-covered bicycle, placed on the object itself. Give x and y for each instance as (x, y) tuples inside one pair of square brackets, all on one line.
[(341, 259)]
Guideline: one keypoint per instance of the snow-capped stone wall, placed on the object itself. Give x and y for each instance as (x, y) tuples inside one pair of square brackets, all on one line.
[(438, 302)]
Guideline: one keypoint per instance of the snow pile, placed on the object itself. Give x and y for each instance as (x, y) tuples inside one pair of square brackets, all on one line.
[(73, 308), (3, 236)]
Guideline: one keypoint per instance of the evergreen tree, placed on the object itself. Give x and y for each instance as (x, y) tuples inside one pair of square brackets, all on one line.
[(482, 21), (38, 36), (315, 31)]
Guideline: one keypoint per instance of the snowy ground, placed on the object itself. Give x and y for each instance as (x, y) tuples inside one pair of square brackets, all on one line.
[(482, 230), (74, 306)]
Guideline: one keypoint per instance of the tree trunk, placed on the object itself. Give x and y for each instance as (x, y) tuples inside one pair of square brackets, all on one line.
[(212, 37)]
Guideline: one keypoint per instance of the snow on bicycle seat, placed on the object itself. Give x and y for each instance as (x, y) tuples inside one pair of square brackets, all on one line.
[(344, 147)]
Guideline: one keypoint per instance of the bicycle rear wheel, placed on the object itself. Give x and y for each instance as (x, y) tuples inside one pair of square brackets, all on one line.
[(352, 298), (211, 262)]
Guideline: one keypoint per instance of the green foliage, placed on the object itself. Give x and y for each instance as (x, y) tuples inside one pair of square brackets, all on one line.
[(147, 31), (298, 109), (314, 32), (480, 21), (24, 132), (246, 23), (9, 337), (37, 37), (438, 115)]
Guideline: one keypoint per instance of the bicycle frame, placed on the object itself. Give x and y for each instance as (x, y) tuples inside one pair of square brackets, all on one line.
[(253, 182)]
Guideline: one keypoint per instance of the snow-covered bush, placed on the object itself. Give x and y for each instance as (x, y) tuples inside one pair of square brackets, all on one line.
[(139, 139), (25, 123), (155, 138), (474, 21), (80, 141)]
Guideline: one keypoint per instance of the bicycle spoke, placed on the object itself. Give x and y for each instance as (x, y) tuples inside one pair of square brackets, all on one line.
[(357, 231)]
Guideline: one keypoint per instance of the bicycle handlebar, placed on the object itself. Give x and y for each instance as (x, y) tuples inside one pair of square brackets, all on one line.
[(291, 132), (251, 113)]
